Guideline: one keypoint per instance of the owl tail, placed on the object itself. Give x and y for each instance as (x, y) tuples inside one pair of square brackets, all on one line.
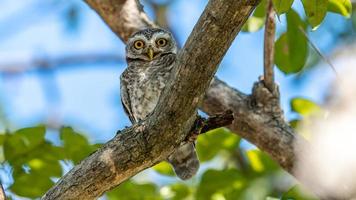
[(185, 161)]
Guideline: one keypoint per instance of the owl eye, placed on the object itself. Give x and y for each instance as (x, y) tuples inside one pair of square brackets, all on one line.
[(161, 42), (139, 44)]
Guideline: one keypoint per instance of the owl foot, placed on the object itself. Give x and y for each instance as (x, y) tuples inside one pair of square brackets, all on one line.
[(266, 101)]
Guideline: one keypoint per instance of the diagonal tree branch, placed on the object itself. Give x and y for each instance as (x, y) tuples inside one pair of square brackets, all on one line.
[(124, 17), (147, 143), (258, 117)]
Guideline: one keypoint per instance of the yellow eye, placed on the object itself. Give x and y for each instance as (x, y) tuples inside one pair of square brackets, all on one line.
[(161, 42), (139, 44)]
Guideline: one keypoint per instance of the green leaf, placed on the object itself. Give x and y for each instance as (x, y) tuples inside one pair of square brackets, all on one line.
[(2, 139), (134, 191), (297, 193), (20, 143), (315, 11), (31, 185), (261, 162), (164, 168), (282, 6), (294, 123), (35, 161), (76, 146), (342, 7), (291, 49), (257, 20), (272, 198), (215, 141), (305, 107), (224, 184), (28, 149), (180, 191)]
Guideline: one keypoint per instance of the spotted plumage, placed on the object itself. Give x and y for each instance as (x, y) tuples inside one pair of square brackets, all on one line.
[(150, 55)]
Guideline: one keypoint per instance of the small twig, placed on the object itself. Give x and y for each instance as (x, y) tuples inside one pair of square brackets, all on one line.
[(217, 121), (203, 125), (51, 63), (319, 52), (270, 29), (2, 193)]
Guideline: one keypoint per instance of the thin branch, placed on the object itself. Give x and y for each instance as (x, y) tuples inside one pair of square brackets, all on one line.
[(53, 63), (2, 193), (327, 60), (270, 29), (216, 121)]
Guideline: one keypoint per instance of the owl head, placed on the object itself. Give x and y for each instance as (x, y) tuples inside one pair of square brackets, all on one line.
[(150, 44)]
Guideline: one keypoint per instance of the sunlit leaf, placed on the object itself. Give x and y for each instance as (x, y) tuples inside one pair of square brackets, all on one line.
[(164, 168), (134, 191), (31, 185), (282, 6), (211, 143), (2, 139), (226, 184), (19, 144), (315, 11), (342, 7), (180, 191), (297, 193), (76, 146), (260, 162), (305, 107), (272, 198), (257, 20), (291, 48)]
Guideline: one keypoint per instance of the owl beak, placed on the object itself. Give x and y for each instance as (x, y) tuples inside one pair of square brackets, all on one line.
[(150, 53)]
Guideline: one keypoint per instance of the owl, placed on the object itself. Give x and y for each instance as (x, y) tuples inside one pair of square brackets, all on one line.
[(150, 55)]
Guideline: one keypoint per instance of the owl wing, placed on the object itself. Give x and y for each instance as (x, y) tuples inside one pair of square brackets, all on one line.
[(125, 98)]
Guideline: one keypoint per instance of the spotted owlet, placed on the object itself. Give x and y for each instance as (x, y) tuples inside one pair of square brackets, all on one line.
[(150, 55)]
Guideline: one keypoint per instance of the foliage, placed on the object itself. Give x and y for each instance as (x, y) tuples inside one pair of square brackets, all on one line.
[(297, 192), (230, 170), (291, 47), (32, 157), (282, 6), (257, 20)]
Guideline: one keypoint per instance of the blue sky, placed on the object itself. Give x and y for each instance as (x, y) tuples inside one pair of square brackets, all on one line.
[(87, 98)]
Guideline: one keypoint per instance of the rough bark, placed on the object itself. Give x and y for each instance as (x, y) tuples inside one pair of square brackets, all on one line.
[(267, 129), (145, 144), (268, 50), (258, 118)]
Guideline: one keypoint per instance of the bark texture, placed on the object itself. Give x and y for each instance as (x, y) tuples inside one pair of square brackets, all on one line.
[(258, 117), (143, 145)]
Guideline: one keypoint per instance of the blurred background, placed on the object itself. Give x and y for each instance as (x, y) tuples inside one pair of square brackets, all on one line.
[(60, 66)]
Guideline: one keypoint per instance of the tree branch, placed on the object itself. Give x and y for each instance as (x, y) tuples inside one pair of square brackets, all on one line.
[(147, 143), (53, 63), (270, 29), (258, 117), (124, 17)]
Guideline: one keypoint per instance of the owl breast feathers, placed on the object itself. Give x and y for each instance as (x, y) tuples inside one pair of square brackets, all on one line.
[(150, 56)]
